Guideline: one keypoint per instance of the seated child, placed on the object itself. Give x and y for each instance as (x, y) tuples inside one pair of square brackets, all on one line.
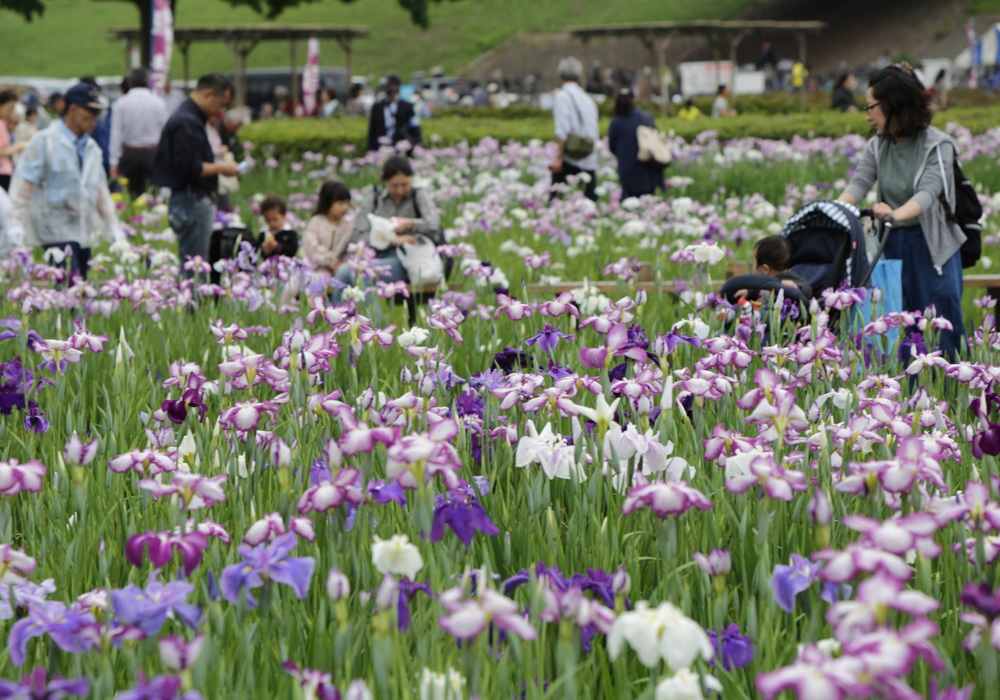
[(278, 238), (772, 257), (328, 233)]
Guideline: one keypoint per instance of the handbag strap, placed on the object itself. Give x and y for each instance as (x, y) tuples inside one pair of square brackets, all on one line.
[(576, 108)]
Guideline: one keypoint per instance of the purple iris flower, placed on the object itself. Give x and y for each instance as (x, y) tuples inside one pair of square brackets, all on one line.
[(160, 688), (523, 576), (637, 336), (597, 581), (407, 590), (490, 379), (469, 404), (34, 687), (147, 609), (987, 442), (319, 472), (213, 587), (789, 581), (950, 693), (177, 410), (982, 598), (506, 359), (35, 420), (385, 493), (618, 372), (11, 400), (833, 592), (790, 310), (557, 372), (460, 510), (548, 338), (736, 649), (666, 344), (161, 547), (270, 560), (62, 624), (914, 343)]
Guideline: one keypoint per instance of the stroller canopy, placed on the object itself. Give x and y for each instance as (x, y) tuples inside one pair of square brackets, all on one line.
[(828, 245)]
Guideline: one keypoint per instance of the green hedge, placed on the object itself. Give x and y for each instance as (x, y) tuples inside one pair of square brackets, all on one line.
[(291, 138)]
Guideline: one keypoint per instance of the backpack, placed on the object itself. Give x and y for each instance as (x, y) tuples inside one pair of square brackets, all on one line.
[(966, 214)]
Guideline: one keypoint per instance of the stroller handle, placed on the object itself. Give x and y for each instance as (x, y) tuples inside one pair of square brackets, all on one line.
[(883, 238)]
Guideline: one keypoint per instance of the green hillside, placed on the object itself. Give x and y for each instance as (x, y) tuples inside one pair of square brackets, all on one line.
[(70, 39)]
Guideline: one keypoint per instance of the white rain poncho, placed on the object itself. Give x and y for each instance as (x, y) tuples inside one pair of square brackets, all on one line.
[(59, 200)]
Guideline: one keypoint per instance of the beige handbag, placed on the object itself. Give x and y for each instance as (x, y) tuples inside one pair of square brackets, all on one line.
[(653, 149)]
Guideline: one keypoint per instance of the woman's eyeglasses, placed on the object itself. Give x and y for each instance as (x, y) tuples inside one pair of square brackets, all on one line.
[(869, 108)]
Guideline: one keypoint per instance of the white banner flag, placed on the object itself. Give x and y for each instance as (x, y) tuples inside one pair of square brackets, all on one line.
[(310, 77), (163, 45)]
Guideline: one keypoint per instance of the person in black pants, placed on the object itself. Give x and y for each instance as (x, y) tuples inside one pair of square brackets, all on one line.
[(136, 125), (185, 163), (393, 117)]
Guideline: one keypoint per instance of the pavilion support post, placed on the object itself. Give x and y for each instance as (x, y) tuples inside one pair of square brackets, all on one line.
[(128, 56), (184, 47), (717, 57), (349, 63), (801, 37), (734, 45), (241, 48), (661, 61), (586, 63), (295, 75), (345, 44)]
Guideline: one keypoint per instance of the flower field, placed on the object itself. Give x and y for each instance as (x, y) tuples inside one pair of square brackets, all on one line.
[(206, 493)]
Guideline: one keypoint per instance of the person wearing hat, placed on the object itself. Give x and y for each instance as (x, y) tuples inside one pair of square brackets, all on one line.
[(393, 118), (185, 163), (59, 192)]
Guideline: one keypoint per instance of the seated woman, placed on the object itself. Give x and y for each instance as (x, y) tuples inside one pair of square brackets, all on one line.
[(772, 256), (414, 210)]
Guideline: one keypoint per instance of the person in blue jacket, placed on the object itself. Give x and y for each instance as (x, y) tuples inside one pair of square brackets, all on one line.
[(637, 178)]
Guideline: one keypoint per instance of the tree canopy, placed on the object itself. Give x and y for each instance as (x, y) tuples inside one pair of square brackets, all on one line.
[(271, 9)]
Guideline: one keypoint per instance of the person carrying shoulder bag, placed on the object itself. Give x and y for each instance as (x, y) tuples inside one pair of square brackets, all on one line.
[(911, 165), (576, 127)]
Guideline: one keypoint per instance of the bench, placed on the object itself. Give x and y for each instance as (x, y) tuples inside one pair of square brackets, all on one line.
[(421, 293)]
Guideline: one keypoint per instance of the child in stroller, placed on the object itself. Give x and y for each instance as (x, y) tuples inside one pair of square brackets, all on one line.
[(826, 246), (772, 260)]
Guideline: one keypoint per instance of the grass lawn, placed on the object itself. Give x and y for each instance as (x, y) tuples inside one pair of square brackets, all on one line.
[(70, 39)]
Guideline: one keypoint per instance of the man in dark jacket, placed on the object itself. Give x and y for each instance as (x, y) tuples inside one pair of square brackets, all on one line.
[(393, 117), (185, 163)]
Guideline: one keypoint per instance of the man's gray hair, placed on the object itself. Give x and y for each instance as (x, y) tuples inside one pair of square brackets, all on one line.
[(570, 68)]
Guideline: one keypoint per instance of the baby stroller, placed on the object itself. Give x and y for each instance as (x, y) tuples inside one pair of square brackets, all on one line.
[(828, 248), (225, 245), (828, 245)]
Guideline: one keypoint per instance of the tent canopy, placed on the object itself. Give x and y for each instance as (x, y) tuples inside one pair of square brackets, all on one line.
[(986, 52)]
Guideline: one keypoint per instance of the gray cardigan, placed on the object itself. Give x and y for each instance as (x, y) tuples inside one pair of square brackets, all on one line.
[(943, 238)]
